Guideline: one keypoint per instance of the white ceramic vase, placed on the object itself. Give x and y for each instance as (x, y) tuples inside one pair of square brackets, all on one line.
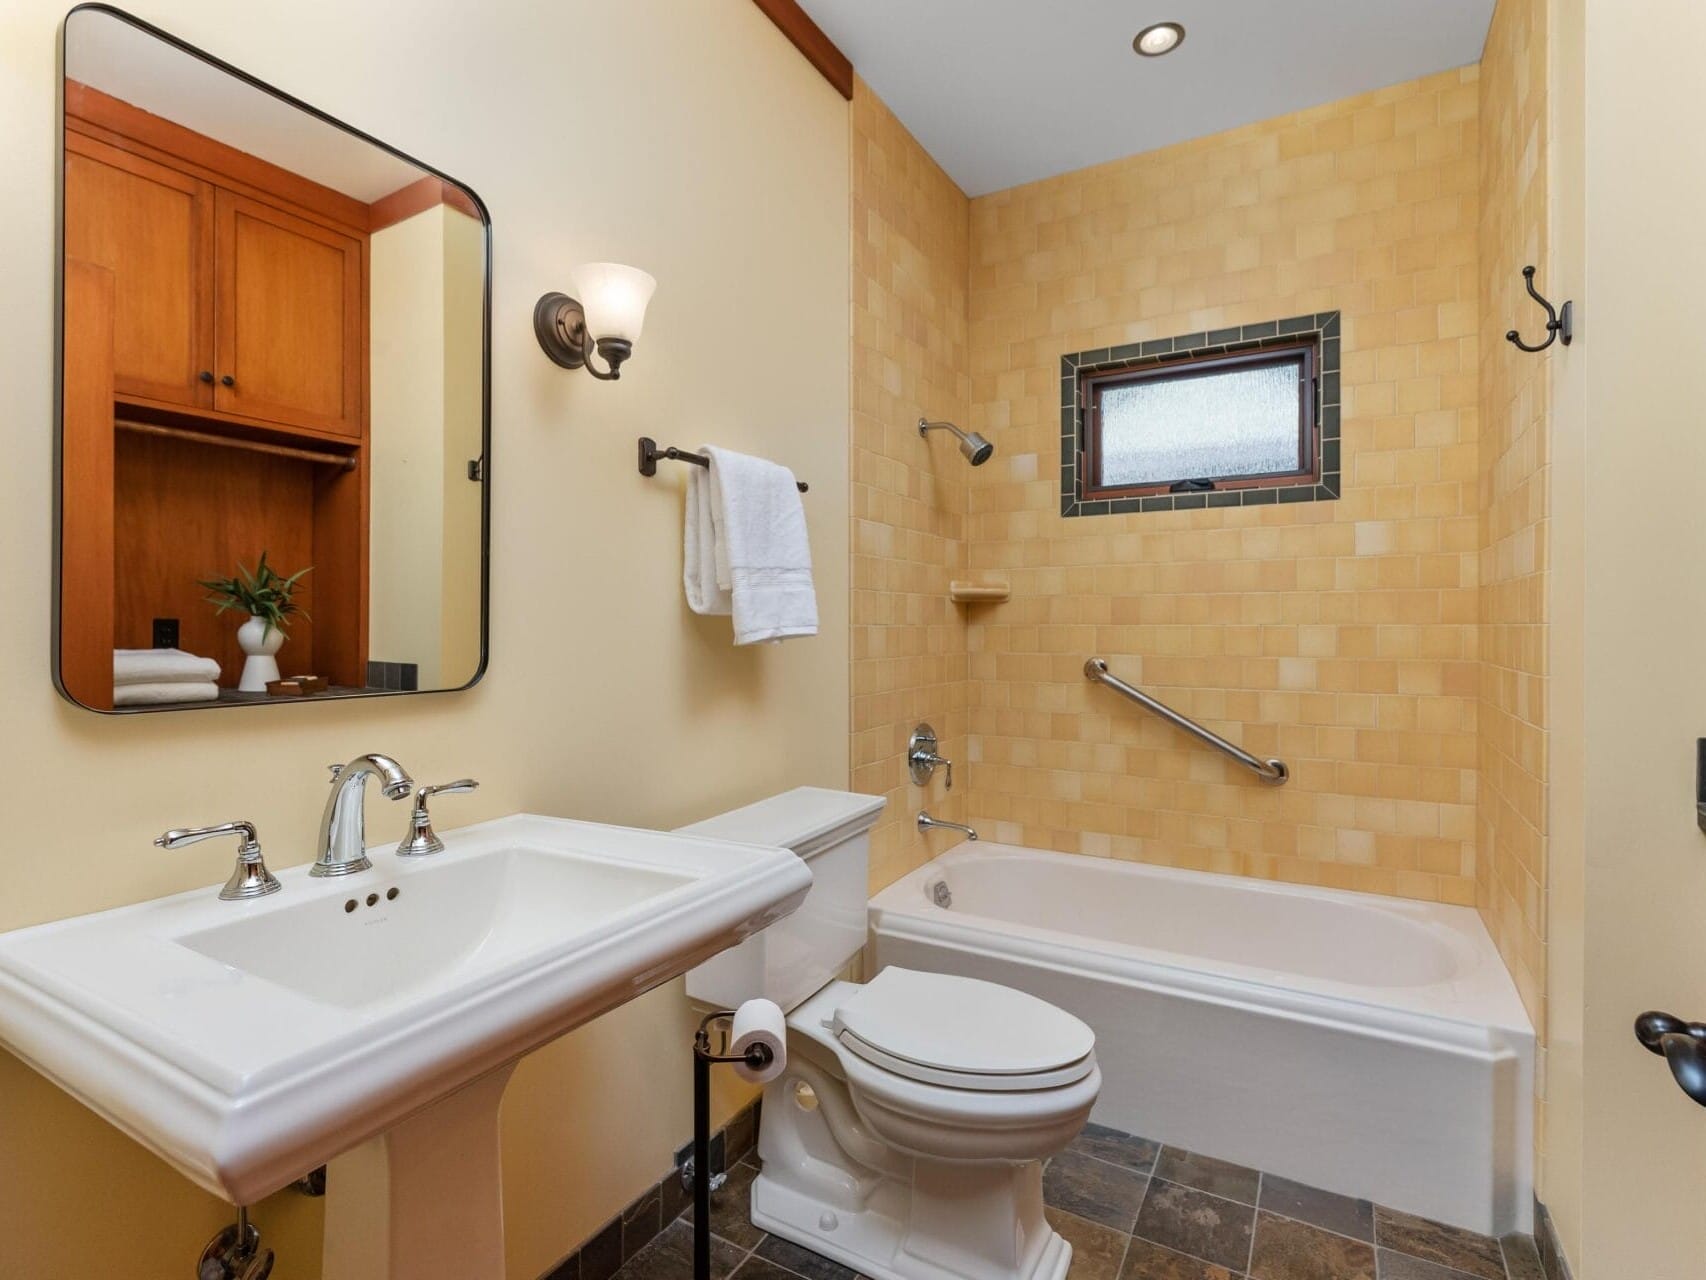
[(260, 644)]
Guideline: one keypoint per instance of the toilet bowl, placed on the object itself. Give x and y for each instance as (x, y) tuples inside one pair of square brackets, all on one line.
[(906, 1136)]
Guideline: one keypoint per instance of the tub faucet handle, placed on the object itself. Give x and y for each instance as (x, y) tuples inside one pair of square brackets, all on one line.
[(922, 759)]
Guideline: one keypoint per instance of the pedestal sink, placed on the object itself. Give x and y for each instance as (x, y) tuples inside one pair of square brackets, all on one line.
[(372, 1020)]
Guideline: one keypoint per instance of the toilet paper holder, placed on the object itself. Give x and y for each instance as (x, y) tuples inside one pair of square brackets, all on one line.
[(758, 1057)]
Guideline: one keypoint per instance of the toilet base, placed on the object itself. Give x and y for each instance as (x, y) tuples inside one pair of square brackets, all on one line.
[(830, 1185), (875, 1241)]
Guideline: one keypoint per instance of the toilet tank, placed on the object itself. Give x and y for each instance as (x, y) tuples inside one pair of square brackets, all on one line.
[(799, 954)]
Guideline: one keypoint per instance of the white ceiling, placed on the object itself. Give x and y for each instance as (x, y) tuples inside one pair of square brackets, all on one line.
[(127, 63), (1002, 92)]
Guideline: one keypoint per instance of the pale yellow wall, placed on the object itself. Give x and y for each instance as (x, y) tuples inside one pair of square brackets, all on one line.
[(1626, 1150), (910, 360), (1561, 1171), (720, 164), (1510, 861), (1340, 636), (406, 487)]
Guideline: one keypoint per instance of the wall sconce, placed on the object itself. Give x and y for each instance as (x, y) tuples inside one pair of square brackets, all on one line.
[(606, 317)]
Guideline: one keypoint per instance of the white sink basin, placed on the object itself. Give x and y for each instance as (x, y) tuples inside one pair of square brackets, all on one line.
[(246, 1043)]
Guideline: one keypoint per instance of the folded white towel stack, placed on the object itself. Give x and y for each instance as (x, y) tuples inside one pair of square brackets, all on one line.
[(161, 666), (142, 695), (745, 551)]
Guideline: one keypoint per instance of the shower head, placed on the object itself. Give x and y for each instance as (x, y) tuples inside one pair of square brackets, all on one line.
[(976, 449)]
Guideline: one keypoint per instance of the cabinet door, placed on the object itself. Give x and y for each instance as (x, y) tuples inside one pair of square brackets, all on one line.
[(152, 227), (290, 331)]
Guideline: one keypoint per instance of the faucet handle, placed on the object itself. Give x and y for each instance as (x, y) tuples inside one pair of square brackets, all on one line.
[(422, 839), (459, 787), (336, 770), (250, 878), (922, 760)]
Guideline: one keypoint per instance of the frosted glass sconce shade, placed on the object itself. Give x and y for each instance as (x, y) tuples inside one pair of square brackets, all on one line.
[(607, 315)]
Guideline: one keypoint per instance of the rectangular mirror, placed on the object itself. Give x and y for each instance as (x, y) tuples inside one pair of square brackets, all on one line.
[(274, 425)]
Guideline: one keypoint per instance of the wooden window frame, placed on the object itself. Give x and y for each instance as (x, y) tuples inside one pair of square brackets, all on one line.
[(1303, 353)]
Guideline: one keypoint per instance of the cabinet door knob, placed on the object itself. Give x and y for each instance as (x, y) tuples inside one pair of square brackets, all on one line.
[(206, 375), (228, 381)]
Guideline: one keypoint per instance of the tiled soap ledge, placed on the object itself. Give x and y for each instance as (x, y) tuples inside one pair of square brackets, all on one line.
[(618, 1240), (991, 592)]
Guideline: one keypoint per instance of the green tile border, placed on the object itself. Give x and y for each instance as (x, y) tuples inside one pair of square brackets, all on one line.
[(1324, 327)]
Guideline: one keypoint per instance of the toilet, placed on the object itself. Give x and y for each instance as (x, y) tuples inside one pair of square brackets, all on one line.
[(907, 1134)]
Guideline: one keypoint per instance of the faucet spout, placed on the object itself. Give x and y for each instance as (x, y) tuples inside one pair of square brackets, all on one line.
[(926, 822), (342, 846)]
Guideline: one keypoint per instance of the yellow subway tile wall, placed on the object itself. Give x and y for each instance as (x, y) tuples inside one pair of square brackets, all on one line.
[(1340, 636), (910, 360), (1513, 500), (1515, 407)]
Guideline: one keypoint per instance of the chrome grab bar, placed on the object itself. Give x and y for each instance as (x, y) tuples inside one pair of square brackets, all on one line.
[(1272, 772)]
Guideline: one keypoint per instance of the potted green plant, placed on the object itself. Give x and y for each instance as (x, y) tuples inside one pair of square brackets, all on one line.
[(268, 598)]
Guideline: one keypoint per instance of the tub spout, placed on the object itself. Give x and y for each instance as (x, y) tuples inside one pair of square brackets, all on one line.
[(926, 822)]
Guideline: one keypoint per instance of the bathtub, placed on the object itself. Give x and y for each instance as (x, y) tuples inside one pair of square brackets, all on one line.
[(1371, 1046)]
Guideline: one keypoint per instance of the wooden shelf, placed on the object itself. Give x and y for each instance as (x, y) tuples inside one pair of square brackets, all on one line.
[(207, 420), (342, 461), (979, 592)]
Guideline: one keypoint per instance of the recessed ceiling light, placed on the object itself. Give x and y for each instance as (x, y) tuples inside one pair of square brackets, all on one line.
[(1163, 37)]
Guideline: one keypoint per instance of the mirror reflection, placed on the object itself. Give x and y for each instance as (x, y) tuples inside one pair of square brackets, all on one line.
[(274, 405)]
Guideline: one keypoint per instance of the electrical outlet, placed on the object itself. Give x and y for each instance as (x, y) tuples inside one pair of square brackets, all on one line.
[(165, 633)]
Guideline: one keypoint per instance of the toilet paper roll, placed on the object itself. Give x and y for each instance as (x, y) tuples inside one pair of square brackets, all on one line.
[(759, 1023)]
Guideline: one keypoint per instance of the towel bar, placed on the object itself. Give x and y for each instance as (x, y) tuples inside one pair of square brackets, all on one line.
[(650, 453)]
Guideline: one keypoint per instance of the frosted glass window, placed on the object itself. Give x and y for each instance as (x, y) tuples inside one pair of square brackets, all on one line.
[(1236, 417), (1231, 423)]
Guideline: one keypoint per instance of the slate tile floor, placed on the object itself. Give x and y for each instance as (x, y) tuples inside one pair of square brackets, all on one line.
[(1136, 1210)]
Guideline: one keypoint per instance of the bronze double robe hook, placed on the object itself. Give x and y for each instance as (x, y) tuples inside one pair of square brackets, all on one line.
[(1558, 325)]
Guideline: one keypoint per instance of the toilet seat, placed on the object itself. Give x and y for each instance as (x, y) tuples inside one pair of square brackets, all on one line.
[(963, 1033)]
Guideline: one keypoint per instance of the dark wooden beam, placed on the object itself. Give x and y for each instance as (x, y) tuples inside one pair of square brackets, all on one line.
[(810, 40)]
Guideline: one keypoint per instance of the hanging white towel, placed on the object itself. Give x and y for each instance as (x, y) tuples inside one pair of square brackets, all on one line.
[(745, 551), (169, 691), (705, 594), (161, 666)]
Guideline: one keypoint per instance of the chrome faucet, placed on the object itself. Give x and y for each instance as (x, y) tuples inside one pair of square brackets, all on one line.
[(343, 827), (926, 822)]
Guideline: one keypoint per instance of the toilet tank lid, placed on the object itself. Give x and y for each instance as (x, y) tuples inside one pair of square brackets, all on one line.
[(807, 820)]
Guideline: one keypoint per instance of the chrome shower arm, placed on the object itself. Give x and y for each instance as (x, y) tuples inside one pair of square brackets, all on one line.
[(974, 447)]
